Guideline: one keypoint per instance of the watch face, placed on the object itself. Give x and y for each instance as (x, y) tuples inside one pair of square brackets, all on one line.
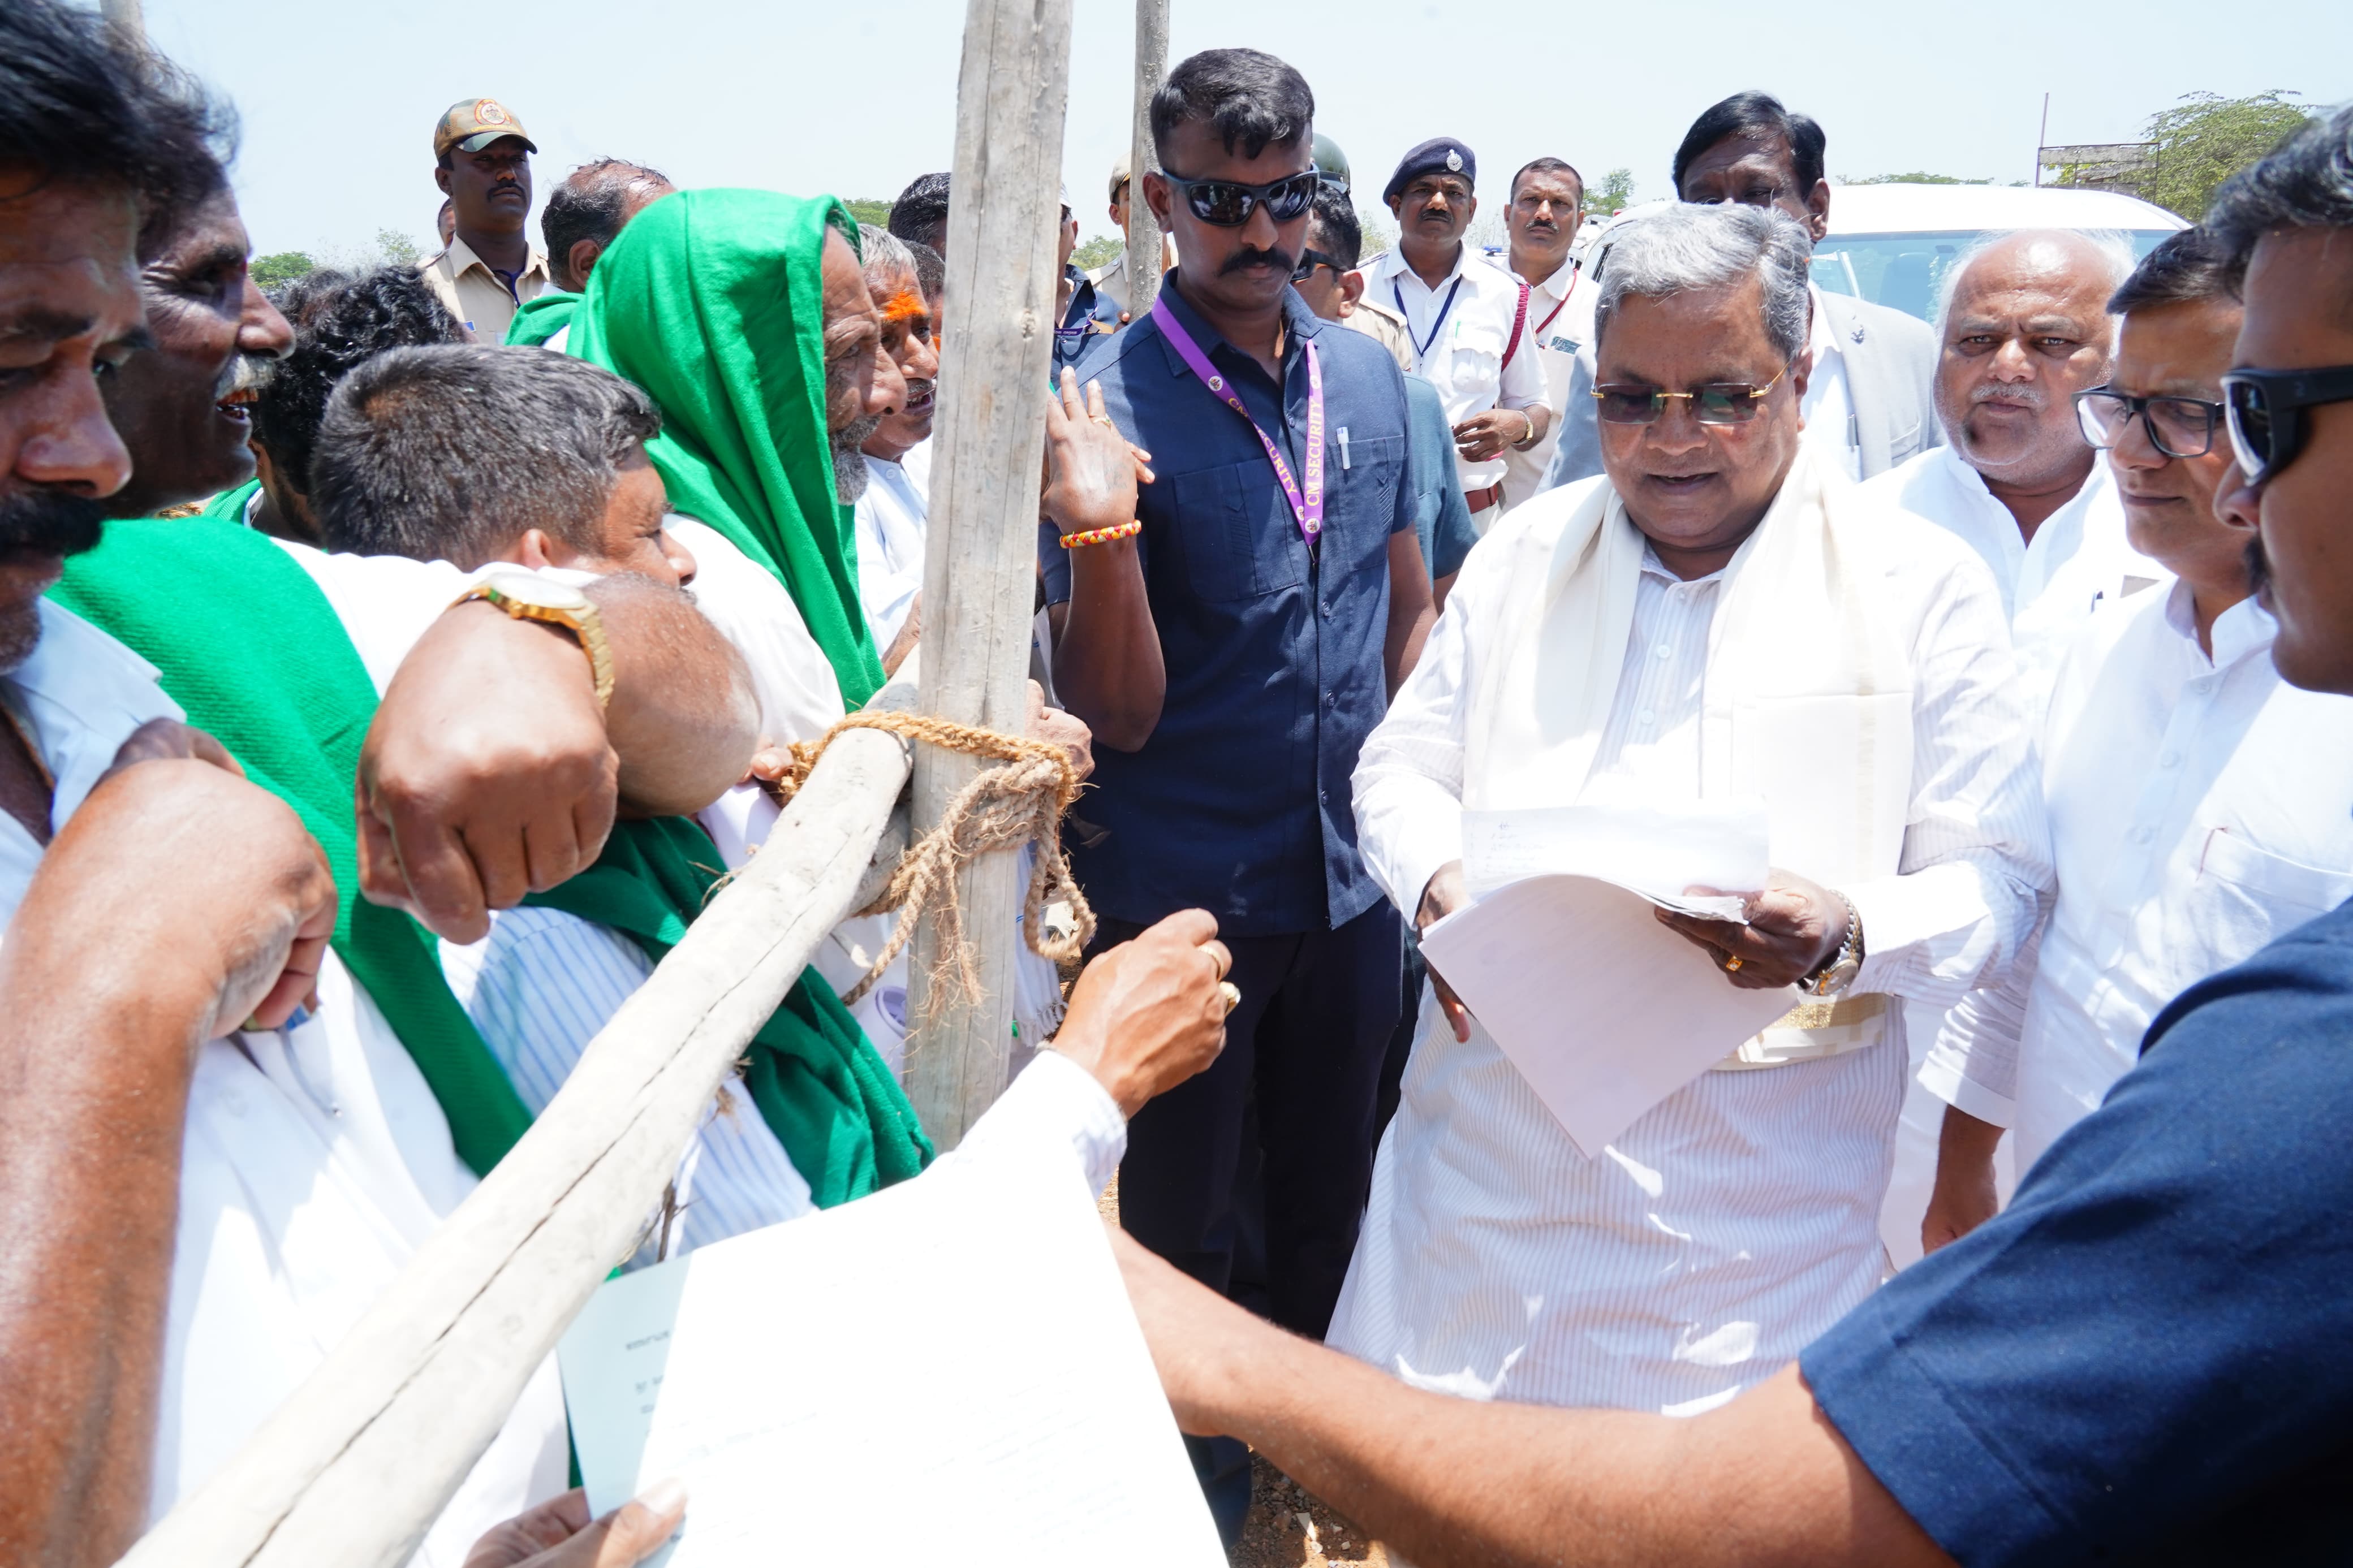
[(528, 588)]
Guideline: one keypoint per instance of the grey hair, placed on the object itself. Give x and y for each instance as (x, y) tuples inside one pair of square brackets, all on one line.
[(1697, 246), (882, 253), (2114, 249), (450, 452)]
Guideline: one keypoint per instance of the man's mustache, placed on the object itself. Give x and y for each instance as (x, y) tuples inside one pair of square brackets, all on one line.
[(1273, 256), (244, 372), (2024, 396), (36, 520)]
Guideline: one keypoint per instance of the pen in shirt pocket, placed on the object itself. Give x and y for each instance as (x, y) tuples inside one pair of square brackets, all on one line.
[(1344, 445)]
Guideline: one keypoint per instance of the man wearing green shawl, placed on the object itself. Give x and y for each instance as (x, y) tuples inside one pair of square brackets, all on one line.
[(744, 316)]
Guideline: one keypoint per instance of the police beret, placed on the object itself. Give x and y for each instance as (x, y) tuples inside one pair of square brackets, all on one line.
[(1439, 155)]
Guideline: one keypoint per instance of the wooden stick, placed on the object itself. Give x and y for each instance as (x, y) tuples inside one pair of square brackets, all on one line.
[(1143, 228), (354, 1468), (980, 567)]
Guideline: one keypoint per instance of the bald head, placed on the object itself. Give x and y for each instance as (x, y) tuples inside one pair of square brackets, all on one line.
[(2025, 327)]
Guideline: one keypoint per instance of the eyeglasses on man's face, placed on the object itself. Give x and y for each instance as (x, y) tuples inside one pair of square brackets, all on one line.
[(1310, 259), (2177, 427), (1716, 403), (2269, 426), (1228, 203)]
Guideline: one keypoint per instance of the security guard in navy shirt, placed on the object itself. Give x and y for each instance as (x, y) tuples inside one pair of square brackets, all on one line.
[(1231, 647)]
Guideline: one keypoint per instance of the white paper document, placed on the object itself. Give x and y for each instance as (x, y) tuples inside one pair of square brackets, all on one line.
[(1602, 1009), (948, 1369)]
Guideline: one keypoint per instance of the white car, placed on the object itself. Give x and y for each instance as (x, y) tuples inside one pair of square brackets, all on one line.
[(1890, 244)]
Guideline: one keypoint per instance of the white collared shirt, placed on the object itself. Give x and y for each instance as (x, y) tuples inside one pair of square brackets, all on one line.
[(2198, 807), (316, 1161), (1828, 406), (2078, 558), (1466, 341), (1560, 318), (891, 520)]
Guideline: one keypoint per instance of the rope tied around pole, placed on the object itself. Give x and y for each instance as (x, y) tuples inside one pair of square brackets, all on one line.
[(1019, 801)]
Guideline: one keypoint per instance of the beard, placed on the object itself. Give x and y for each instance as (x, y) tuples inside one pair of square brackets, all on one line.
[(851, 474), (36, 527), (2258, 569)]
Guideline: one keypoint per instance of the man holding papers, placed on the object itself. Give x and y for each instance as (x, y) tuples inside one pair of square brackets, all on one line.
[(1718, 620)]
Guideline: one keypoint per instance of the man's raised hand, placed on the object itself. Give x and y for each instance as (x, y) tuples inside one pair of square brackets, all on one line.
[(559, 1534), (1149, 1013)]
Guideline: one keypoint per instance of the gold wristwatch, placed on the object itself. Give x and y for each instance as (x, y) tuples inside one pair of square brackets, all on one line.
[(1837, 971), (530, 597)]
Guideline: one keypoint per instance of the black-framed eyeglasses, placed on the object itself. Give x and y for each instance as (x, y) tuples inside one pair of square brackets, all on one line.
[(2177, 427), (1309, 261), (1718, 403), (2266, 410), (1227, 204)]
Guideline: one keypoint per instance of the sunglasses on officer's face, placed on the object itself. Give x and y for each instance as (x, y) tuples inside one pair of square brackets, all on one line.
[(1227, 204), (2265, 411)]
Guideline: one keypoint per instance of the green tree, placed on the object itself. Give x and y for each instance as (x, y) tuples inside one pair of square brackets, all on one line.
[(1614, 193), (282, 267), (1916, 177), (397, 249), (2205, 139), (866, 209), (1379, 232), (1097, 252)]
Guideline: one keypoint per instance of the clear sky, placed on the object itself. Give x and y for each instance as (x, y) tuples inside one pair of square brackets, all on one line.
[(339, 100)]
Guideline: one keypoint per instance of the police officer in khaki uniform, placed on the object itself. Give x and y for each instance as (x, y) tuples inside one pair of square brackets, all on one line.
[(482, 159)]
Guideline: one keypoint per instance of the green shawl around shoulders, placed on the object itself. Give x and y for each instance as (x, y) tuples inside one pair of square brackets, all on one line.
[(247, 645), (283, 687), (229, 504), (538, 318), (819, 1083), (713, 301)]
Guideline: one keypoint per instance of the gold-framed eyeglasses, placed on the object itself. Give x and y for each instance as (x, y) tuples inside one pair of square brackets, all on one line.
[(1718, 403)]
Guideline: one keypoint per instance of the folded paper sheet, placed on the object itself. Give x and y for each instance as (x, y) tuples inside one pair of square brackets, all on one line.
[(1602, 1009), (949, 1368)]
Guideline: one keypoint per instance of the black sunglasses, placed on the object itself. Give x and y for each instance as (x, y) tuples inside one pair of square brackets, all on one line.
[(1227, 204), (2266, 413), (1718, 403), (1309, 261), (2177, 427)]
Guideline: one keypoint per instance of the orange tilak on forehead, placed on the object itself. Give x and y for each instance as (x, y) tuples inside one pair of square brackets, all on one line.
[(903, 306)]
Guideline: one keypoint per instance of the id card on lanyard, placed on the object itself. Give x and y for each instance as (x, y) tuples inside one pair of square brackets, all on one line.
[(1306, 501)]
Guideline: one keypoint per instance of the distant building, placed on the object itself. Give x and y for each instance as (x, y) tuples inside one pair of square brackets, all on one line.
[(2120, 166)]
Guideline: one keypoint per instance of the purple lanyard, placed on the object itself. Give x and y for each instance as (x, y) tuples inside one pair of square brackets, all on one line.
[(1307, 507)]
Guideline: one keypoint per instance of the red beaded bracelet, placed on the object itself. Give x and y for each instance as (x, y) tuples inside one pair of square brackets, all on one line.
[(1101, 535)]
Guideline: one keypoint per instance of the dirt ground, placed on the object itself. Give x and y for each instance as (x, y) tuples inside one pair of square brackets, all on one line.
[(1286, 1527)]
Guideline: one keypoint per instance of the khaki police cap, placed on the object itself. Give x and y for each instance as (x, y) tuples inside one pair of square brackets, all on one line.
[(471, 125)]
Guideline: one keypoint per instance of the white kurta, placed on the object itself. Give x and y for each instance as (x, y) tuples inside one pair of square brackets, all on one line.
[(1702, 1250), (2078, 558), (316, 1161), (2198, 807), (891, 525), (1560, 317)]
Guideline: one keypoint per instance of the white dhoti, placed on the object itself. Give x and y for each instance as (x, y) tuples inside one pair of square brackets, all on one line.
[(1696, 1255)]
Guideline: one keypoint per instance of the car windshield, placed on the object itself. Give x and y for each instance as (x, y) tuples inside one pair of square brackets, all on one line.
[(1905, 270)]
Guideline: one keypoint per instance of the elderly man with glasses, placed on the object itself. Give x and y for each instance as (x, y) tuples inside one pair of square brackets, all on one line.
[(1720, 616), (2199, 805)]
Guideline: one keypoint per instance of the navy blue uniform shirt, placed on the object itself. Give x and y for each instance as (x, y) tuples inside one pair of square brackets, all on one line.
[(1240, 803), (2148, 1356)]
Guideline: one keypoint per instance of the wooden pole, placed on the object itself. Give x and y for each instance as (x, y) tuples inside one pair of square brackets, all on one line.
[(357, 1466), (980, 566), (1143, 228)]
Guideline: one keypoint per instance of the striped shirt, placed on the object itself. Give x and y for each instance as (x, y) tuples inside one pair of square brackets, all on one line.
[(1702, 1250)]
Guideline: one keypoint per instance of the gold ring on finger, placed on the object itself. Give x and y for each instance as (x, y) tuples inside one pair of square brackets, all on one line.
[(1231, 993), (1732, 962), (1104, 420)]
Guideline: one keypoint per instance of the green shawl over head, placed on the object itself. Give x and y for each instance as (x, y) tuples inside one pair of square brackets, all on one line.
[(821, 1085), (540, 317), (713, 303), (248, 644)]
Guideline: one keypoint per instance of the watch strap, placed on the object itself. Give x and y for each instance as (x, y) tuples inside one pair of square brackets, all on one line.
[(586, 626)]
